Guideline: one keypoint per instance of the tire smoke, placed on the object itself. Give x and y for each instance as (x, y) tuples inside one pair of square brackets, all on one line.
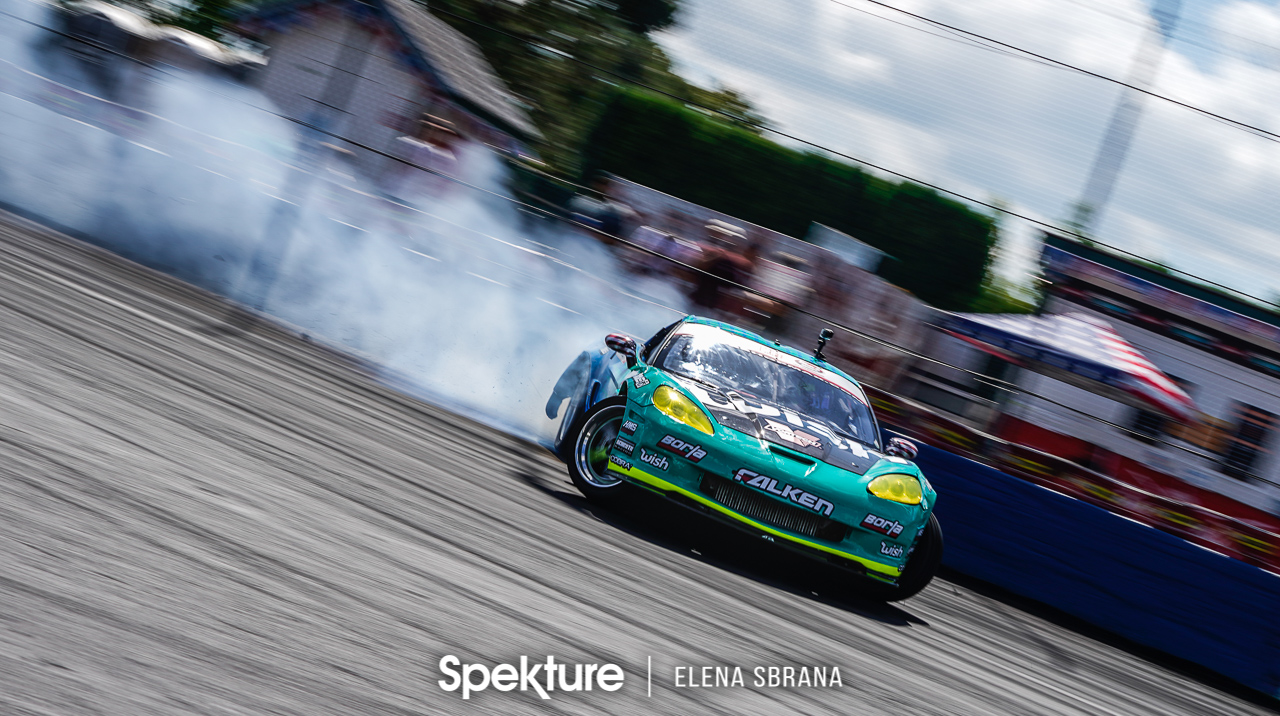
[(473, 303)]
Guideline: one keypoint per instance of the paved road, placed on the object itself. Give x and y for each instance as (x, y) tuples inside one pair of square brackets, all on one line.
[(200, 513)]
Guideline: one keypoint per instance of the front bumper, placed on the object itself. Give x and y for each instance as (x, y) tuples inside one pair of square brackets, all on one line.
[(703, 504)]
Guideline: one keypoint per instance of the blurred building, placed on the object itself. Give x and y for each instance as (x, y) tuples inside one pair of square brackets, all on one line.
[(835, 280), (369, 70), (854, 252), (1222, 351)]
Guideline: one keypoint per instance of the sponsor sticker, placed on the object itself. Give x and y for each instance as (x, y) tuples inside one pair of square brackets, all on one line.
[(798, 437), (787, 492), (640, 381), (619, 462), (891, 550), (624, 445), (653, 458), (876, 523), (688, 451), (629, 427)]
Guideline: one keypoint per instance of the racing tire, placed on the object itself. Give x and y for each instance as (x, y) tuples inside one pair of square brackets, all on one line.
[(590, 439), (921, 567)]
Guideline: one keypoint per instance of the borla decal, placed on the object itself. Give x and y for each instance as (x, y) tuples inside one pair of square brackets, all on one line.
[(876, 523), (692, 453), (653, 458), (795, 494)]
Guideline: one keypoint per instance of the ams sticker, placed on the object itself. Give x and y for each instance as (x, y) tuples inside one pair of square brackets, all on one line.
[(688, 451), (629, 427), (787, 492)]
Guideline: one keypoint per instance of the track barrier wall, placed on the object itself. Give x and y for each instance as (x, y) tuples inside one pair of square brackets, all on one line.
[(1121, 575)]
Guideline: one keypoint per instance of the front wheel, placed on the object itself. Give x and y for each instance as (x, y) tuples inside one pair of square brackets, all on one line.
[(592, 435), (923, 564)]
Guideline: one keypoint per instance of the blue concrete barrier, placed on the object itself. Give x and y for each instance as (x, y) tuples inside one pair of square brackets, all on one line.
[(1121, 575)]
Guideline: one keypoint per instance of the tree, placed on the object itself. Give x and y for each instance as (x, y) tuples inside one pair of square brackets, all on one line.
[(645, 16), (941, 249)]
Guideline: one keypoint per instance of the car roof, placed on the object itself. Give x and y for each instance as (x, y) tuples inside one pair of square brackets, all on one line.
[(808, 358)]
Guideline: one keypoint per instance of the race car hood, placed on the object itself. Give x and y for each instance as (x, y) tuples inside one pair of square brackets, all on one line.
[(796, 433)]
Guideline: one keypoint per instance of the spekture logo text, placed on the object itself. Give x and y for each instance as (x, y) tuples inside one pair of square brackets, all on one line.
[(542, 678)]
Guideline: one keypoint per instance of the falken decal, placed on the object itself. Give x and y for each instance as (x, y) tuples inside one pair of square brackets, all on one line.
[(654, 459), (787, 492), (876, 523), (640, 381), (889, 549), (629, 427), (688, 451), (619, 462), (624, 445)]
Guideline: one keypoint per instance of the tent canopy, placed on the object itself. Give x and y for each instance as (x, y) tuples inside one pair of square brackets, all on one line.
[(1077, 349)]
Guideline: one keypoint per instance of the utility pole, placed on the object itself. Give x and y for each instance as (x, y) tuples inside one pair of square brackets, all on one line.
[(1124, 121)]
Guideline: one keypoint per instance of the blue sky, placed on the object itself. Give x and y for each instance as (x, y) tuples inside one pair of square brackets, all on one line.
[(861, 79)]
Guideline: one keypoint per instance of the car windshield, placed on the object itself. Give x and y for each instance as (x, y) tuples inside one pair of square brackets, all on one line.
[(729, 362)]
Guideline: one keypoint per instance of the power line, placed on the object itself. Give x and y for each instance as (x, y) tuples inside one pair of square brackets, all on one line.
[(996, 383), (864, 162), (1272, 136)]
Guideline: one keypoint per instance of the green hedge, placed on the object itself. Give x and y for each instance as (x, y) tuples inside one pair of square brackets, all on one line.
[(942, 248)]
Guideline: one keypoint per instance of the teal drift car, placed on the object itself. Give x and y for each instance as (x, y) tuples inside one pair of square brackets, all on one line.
[(758, 435)]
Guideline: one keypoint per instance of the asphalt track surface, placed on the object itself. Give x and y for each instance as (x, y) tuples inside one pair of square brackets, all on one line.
[(205, 513)]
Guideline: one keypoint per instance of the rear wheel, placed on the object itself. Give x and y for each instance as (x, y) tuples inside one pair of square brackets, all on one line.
[(923, 564), (590, 439)]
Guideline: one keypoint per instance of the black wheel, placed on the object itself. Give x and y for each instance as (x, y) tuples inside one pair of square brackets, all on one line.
[(588, 442), (921, 567)]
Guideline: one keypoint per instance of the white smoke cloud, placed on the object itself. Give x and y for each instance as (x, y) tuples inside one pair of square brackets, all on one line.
[(476, 305)]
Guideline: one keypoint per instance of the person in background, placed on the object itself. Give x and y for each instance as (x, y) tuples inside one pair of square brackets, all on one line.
[(722, 264), (604, 214), (666, 241)]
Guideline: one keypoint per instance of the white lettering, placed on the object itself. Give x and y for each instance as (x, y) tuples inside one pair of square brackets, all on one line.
[(446, 665), (504, 677), (468, 685), (528, 677), (577, 678), (610, 677)]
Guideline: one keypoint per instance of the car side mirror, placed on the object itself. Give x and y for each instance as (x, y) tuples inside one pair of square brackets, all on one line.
[(623, 345)]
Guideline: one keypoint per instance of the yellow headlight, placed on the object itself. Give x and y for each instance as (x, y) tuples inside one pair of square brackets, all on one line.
[(678, 407), (899, 488)]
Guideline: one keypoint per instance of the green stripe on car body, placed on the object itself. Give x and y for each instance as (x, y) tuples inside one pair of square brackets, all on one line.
[(651, 479)]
